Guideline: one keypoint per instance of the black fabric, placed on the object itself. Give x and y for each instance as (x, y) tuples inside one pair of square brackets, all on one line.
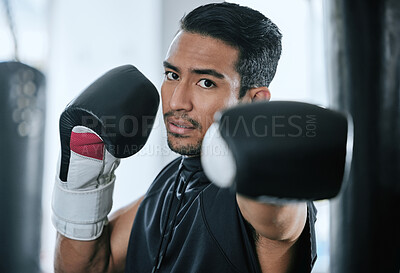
[(187, 224)]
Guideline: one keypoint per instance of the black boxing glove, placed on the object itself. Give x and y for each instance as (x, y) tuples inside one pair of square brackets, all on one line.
[(109, 120), (279, 150)]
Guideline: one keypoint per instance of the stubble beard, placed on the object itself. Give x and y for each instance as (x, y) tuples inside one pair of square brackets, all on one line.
[(188, 150)]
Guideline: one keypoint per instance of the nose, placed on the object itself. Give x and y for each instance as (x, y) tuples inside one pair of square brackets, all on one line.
[(181, 97)]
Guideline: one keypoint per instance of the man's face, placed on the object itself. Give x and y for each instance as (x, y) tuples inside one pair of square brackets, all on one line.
[(200, 79)]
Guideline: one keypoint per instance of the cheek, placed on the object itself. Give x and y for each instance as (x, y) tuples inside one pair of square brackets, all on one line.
[(232, 100), (208, 108), (164, 98), (209, 105)]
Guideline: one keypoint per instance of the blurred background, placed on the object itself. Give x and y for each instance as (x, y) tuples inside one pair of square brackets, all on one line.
[(74, 42)]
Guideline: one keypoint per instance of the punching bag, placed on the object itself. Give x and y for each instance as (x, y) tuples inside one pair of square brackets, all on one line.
[(22, 112), (363, 43)]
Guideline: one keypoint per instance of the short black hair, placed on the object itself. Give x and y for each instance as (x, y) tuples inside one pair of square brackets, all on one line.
[(256, 37)]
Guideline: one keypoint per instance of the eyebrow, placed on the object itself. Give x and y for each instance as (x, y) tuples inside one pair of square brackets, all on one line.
[(211, 72), (170, 66)]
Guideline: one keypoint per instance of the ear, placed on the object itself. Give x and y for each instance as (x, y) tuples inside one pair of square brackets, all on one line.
[(259, 93)]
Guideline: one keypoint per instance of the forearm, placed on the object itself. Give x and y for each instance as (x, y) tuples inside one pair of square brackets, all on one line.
[(275, 222), (105, 254), (82, 256)]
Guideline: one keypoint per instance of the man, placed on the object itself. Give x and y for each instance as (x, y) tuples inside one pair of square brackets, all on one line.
[(223, 54)]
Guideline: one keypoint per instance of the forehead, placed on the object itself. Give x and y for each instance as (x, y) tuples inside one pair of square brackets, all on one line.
[(199, 51)]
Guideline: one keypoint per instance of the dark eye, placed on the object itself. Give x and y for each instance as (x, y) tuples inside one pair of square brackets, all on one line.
[(206, 83), (171, 75)]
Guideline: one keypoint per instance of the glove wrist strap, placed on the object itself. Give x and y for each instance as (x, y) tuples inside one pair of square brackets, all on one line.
[(81, 215)]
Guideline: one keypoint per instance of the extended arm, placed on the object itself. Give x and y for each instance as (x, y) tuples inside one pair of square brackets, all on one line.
[(283, 222), (278, 228), (268, 154)]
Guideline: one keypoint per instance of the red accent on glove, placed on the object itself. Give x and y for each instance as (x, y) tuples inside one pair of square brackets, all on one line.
[(87, 144)]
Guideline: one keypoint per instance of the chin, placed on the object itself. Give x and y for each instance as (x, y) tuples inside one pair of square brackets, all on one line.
[(180, 146)]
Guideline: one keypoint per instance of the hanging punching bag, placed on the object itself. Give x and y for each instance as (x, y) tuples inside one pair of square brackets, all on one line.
[(364, 53), (22, 113)]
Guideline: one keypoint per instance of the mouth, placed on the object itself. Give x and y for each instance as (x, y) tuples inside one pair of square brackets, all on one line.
[(177, 126)]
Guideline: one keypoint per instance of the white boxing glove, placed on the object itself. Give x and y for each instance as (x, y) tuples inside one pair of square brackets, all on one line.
[(121, 107), (81, 204)]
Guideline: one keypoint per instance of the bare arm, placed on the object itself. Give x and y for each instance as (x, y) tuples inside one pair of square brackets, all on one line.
[(278, 227), (275, 222), (105, 254)]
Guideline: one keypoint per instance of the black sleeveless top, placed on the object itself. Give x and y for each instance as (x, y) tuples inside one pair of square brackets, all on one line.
[(187, 224)]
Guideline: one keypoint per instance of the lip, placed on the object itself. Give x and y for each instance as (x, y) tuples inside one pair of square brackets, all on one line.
[(179, 126)]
